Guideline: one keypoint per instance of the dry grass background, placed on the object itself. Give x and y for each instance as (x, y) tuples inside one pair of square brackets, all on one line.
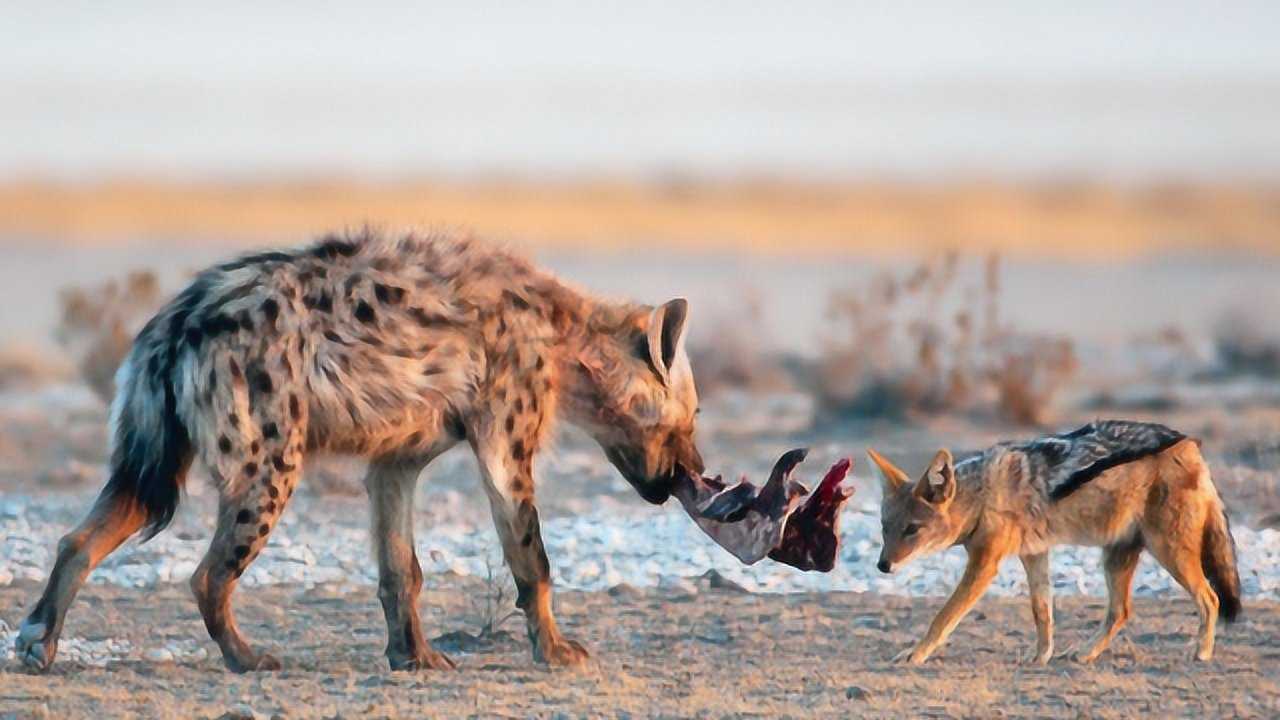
[(1077, 220)]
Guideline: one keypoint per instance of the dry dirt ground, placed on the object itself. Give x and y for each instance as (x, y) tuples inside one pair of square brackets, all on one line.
[(717, 653)]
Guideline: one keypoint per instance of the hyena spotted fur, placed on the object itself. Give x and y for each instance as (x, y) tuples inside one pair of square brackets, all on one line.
[(394, 349)]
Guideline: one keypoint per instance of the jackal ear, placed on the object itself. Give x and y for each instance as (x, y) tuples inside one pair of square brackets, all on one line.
[(891, 478), (938, 485), (666, 336)]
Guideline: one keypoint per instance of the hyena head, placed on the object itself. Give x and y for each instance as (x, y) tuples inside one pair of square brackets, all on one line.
[(915, 517), (636, 397)]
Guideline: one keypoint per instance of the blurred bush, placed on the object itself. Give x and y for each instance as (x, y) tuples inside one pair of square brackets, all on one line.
[(725, 352), (26, 366), (924, 343), (98, 324), (1247, 344)]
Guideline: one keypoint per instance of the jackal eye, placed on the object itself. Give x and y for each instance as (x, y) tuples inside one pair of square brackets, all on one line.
[(910, 530)]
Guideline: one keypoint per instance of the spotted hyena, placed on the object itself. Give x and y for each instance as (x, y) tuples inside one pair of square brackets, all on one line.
[(394, 349)]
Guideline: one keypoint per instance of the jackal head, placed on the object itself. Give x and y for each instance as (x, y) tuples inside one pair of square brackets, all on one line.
[(636, 397), (915, 516)]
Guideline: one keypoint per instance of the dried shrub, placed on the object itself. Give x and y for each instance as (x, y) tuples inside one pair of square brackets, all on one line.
[(1032, 371), (495, 606), (98, 325), (926, 343)]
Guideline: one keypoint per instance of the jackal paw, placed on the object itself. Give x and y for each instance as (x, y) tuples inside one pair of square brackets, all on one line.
[(34, 646), (424, 660), (910, 656), (1086, 656), (265, 662), (561, 652), (1037, 656)]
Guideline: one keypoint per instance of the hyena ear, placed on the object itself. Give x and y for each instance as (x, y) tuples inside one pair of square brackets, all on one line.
[(666, 336), (938, 485), (890, 476)]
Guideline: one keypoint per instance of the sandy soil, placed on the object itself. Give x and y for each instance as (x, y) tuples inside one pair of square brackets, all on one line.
[(717, 653)]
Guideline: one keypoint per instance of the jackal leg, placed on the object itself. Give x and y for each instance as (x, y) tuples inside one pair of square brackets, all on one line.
[(984, 563), (254, 494), (1119, 562), (508, 481), (111, 521), (391, 485), (1183, 563), (1041, 587)]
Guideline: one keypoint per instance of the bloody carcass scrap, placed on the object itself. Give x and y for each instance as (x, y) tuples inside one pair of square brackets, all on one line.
[(781, 520)]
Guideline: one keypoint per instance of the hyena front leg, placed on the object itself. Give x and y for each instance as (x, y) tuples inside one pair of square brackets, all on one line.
[(506, 464), (112, 520), (256, 482), (1041, 587), (391, 485)]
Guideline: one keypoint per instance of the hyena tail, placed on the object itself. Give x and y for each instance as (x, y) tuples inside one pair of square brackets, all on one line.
[(151, 448), (1218, 558)]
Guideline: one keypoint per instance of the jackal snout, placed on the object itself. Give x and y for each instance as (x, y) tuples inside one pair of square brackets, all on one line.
[(914, 516)]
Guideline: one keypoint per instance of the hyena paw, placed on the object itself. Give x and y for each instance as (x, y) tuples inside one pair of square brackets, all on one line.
[(561, 652), (35, 646), (424, 660), (265, 662)]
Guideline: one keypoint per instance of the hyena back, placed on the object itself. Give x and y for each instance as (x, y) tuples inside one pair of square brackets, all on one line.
[(391, 349)]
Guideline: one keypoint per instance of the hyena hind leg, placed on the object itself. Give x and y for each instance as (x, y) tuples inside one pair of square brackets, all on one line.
[(391, 485), (255, 489), (113, 519)]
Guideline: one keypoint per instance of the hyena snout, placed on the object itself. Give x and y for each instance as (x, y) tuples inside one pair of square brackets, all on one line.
[(634, 466), (655, 475)]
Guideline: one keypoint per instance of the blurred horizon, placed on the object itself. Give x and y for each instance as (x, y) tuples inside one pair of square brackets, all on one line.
[(1121, 157)]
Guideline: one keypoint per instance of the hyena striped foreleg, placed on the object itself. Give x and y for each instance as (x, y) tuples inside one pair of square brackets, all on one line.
[(506, 467), (391, 484), (257, 472)]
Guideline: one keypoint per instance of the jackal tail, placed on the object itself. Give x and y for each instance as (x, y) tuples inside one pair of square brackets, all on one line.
[(1218, 558)]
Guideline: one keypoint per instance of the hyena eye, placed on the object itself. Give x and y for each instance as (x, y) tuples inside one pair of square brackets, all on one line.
[(910, 530)]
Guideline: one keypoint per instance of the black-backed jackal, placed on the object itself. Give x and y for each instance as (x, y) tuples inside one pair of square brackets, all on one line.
[(395, 349), (1122, 486)]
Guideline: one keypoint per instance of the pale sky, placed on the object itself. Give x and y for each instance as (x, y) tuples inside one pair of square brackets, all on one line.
[(575, 87)]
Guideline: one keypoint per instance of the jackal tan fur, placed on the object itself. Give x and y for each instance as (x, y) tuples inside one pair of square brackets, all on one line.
[(1122, 486)]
